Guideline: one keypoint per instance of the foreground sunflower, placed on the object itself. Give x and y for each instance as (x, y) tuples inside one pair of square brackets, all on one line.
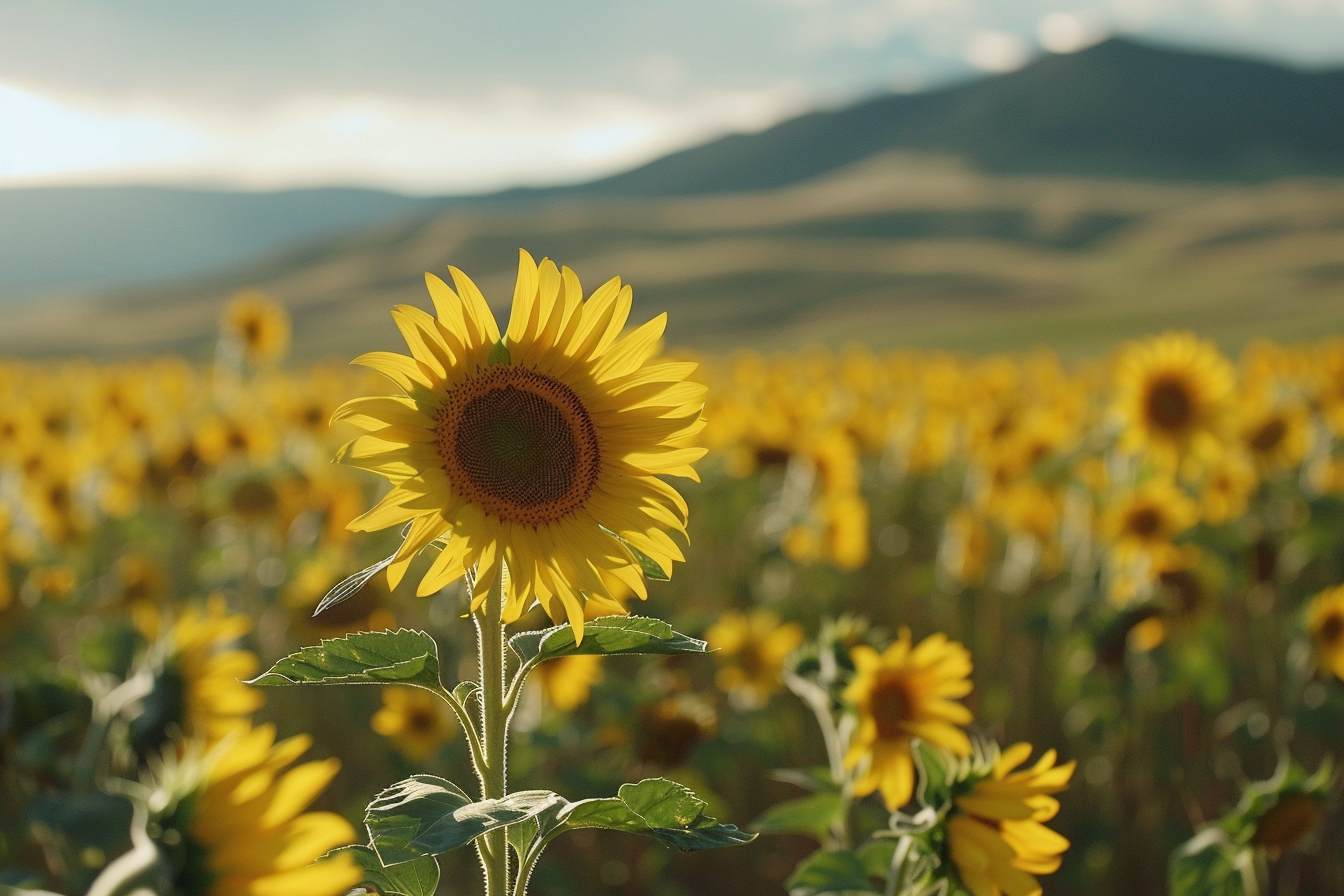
[(996, 838), (899, 695), (1173, 392), (234, 821), (535, 451)]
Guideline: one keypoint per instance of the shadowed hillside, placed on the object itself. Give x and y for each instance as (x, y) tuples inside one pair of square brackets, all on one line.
[(898, 250)]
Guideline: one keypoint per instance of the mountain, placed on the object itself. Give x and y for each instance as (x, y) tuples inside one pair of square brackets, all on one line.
[(100, 238), (1083, 199), (1116, 109)]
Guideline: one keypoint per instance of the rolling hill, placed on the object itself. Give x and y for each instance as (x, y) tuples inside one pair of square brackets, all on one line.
[(1083, 199)]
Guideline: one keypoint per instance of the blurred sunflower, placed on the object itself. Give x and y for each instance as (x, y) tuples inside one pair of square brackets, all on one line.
[(1227, 488), (1173, 390), (751, 650), (258, 325), (899, 695), (206, 672), (1146, 518), (234, 823), (417, 721), (538, 450), (996, 836), (567, 681), (1275, 437), (1325, 623)]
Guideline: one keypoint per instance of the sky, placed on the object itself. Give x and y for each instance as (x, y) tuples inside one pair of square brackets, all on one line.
[(442, 96)]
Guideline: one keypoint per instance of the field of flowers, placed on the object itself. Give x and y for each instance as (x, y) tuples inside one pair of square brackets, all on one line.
[(971, 622)]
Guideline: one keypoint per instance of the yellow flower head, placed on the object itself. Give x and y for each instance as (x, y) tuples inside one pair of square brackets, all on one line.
[(1147, 518), (751, 650), (212, 671), (1325, 622), (1173, 391), (417, 721), (241, 826), (258, 325), (901, 694), (567, 681), (538, 450), (996, 838)]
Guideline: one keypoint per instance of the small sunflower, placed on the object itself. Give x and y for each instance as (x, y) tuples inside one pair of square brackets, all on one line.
[(234, 822), (538, 450), (201, 655), (1275, 437), (567, 681), (751, 650), (415, 720), (258, 325), (899, 695), (1146, 518), (1325, 622), (1173, 391), (996, 836)]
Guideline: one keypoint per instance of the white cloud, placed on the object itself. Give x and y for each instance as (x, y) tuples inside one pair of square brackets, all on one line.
[(511, 136), (997, 51)]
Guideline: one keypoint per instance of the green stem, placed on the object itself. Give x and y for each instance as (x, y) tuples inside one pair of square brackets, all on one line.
[(493, 846), (525, 871)]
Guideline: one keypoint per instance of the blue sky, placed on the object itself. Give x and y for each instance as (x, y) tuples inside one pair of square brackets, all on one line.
[(442, 96)]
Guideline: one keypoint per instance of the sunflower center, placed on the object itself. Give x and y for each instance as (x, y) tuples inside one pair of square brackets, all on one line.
[(1170, 405), (1332, 629), (518, 444), (891, 706), (422, 721), (1145, 522), (1268, 436), (1287, 822)]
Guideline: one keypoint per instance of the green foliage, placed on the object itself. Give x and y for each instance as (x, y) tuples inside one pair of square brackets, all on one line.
[(831, 874), (424, 816), (419, 877), (657, 808), (607, 636), (812, 815), (350, 586), (400, 657)]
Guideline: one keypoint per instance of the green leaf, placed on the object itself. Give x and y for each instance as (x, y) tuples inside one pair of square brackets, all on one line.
[(812, 815), (647, 564), (465, 691), (403, 656), (499, 354), (876, 856), (934, 791), (424, 816), (349, 586), (416, 878), (831, 873), (521, 835), (657, 808), (606, 636), (1210, 864)]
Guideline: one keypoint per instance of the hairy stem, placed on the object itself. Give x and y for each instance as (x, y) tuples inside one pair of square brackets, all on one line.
[(494, 728)]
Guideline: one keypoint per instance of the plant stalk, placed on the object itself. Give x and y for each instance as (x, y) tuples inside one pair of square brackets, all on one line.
[(494, 848)]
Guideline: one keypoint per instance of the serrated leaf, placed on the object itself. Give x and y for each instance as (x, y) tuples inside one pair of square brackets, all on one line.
[(658, 808), (417, 878), (425, 815), (830, 874), (349, 586), (812, 815), (606, 636), (403, 656)]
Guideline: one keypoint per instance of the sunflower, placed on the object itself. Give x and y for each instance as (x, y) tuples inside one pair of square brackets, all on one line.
[(1173, 391), (415, 720), (568, 680), (1146, 518), (234, 821), (996, 837), (215, 702), (752, 649), (256, 324), (1275, 437), (899, 695), (537, 450), (1325, 622)]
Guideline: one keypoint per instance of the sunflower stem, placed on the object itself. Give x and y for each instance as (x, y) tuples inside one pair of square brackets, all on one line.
[(493, 846)]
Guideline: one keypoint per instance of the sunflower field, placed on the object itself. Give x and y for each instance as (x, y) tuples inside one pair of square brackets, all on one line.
[(902, 622)]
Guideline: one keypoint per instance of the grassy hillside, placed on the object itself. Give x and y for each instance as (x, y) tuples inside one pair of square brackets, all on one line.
[(66, 238), (897, 250)]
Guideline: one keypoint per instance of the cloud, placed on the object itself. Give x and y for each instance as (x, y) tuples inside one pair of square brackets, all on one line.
[(505, 137)]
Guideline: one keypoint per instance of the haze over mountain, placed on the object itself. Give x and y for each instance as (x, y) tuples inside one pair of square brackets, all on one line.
[(1123, 166)]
